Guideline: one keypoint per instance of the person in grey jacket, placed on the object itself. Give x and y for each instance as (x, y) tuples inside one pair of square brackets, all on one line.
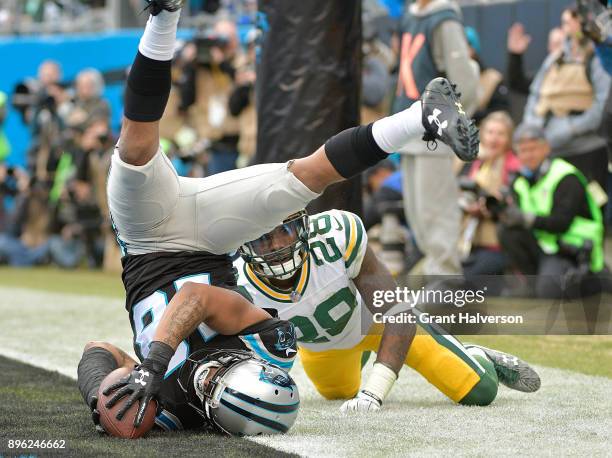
[(567, 98), (433, 43)]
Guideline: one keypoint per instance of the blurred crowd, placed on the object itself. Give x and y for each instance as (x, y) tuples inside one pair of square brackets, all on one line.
[(532, 205)]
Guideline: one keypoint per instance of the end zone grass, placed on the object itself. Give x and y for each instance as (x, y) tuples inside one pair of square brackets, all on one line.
[(570, 415), (37, 404)]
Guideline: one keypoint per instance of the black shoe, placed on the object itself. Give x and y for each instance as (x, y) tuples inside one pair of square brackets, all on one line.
[(157, 6), (445, 120)]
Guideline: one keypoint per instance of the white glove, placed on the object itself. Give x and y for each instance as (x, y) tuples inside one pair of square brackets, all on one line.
[(363, 402), (370, 398)]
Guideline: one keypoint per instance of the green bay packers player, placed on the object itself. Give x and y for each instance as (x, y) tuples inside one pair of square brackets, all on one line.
[(319, 275)]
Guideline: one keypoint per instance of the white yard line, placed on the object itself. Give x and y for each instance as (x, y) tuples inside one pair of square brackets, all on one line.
[(570, 415)]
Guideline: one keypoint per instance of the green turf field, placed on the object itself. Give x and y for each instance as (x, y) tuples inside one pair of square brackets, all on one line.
[(47, 315)]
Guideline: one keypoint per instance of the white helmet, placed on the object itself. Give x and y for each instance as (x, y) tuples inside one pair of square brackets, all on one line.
[(243, 395), (281, 252)]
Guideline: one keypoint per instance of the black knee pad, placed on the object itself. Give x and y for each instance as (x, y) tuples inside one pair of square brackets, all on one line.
[(354, 150)]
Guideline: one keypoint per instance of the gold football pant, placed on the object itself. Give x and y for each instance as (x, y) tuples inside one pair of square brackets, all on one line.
[(440, 358)]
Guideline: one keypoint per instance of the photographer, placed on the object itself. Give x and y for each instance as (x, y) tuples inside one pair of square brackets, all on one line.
[(88, 104), (490, 176), (37, 100), (78, 222), (203, 80), (552, 228), (567, 100)]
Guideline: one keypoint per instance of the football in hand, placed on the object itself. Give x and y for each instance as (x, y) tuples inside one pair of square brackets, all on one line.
[(108, 417)]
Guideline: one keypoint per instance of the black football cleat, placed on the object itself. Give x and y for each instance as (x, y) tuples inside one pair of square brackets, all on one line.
[(445, 120), (157, 6), (512, 371)]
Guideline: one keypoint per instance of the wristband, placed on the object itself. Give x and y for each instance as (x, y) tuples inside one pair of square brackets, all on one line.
[(159, 357), (380, 381)]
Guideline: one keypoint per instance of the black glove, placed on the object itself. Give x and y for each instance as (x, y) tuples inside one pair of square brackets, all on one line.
[(144, 383), (95, 415), (512, 216)]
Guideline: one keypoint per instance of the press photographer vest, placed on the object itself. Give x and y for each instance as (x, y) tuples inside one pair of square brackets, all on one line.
[(566, 90), (538, 199), (417, 66)]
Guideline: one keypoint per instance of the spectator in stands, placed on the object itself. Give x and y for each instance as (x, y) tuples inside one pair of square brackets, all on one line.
[(39, 110), (430, 188), (596, 24), (78, 222), (384, 192), (88, 105), (242, 101), (491, 175), (553, 228), (567, 98), (378, 62), (492, 92), (518, 42), (24, 241)]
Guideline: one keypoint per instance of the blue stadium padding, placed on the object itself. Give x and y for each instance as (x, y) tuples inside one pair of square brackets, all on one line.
[(21, 57)]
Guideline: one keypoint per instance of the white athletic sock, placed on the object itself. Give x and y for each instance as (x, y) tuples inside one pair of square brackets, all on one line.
[(475, 351), (159, 37), (393, 132)]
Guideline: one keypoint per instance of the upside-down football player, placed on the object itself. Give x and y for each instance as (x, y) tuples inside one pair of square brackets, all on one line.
[(175, 232), (319, 276)]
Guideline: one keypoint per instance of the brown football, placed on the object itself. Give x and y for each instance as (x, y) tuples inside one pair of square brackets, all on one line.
[(124, 428)]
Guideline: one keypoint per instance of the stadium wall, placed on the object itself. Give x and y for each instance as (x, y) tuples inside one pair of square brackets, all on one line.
[(113, 51)]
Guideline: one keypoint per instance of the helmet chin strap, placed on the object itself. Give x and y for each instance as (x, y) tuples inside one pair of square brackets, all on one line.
[(201, 377)]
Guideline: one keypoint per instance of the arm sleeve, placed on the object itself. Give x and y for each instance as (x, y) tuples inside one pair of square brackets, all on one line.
[(517, 79), (452, 56), (568, 201), (239, 99)]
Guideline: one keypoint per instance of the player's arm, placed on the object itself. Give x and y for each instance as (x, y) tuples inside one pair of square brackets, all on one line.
[(224, 311), (395, 342)]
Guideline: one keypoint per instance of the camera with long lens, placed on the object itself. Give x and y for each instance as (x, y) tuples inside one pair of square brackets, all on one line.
[(205, 41), (471, 193), (31, 94), (595, 19)]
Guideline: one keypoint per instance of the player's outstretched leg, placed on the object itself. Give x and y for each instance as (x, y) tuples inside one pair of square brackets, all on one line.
[(437, 116), (511, 371), (149, 82), (99, 359)]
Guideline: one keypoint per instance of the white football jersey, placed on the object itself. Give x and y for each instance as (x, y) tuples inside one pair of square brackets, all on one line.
[(324, 305)]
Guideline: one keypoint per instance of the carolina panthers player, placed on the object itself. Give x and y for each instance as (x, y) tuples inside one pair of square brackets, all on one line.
[(319, 276), (174, 229), (184, 372)]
